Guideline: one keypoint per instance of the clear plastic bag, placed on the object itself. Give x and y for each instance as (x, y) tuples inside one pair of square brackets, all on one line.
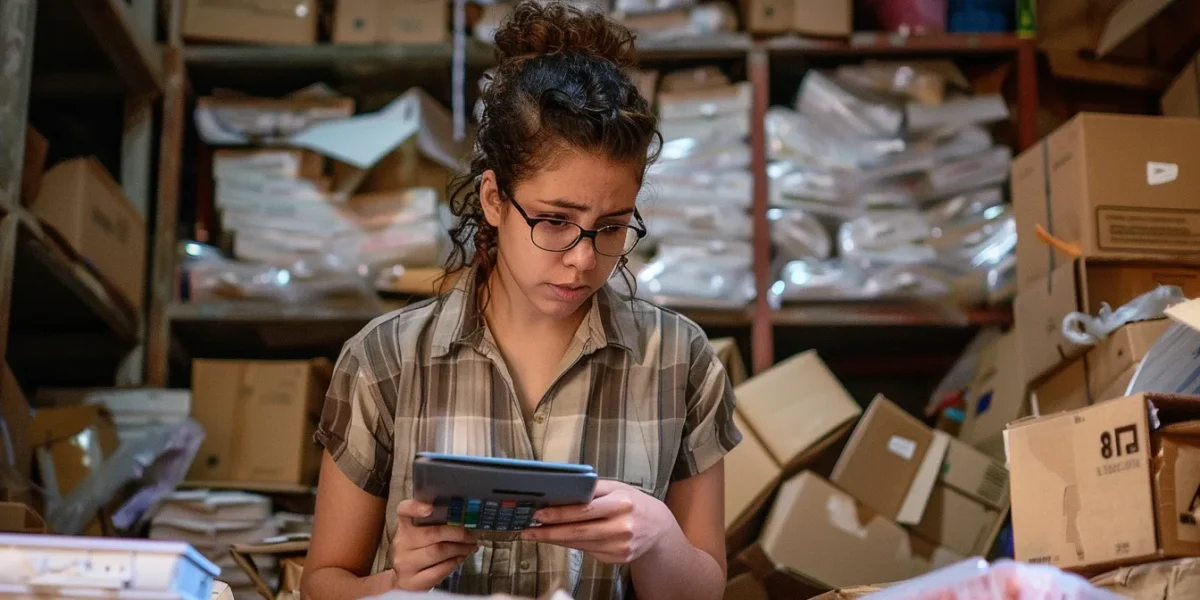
[(699, 275), (796, 137), (797, 235), (209, 276), (840, 110), (159, 461), (708, 222), (715, 188), (1084, 329), (975, 579), (914, 81)]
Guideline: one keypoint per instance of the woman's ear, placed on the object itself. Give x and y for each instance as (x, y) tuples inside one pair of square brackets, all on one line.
[(489, 198)]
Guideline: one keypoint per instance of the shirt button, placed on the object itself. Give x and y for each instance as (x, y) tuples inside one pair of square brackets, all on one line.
[(524, 565), (540, 418)]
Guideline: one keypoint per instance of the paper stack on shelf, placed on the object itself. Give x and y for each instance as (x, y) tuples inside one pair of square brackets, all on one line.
[(884, 184), (211, 522), (697, 195), (325, 202)]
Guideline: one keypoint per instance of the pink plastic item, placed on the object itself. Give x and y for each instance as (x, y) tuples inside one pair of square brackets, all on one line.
[(975, 579), (910, 17)]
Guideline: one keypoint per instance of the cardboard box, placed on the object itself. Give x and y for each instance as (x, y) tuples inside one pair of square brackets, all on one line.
[(1115, 186), (1108, 366), (391, 21), (821, 534), (797, 409), (832, 18), (952, 494), (36, 148), (17, 419), (1083, 286), (1162, 580), (290, 554), (1182, 98), (996, 396), (1111, 484), (729, 355), (70, 444), (259, 418), (16, 517), (751, 476), (255, 21), (80, 200), (744, 587)]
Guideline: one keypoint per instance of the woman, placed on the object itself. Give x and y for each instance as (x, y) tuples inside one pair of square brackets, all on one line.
[(534, 356)]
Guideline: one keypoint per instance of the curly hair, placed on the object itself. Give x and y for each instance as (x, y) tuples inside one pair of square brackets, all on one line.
[(561, 84)]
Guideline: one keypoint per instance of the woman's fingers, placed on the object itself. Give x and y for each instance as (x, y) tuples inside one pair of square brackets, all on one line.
[(442, 551), (432, 576), (602, 507)]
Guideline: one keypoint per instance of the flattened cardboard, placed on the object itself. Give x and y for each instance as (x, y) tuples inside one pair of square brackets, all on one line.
[(822, 534), (259, 418), (80, 200), (797, 409), (751, 476), (1113, 186), (1084, 285), (1086, 484), (256, 21), (1182, 98), (1177, 579)]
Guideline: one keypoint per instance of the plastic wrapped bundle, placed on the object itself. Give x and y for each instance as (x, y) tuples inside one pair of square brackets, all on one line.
[(1005, 580), (838, 109), (209, 276), (709, 153), (708, 222), (714, 275), (798, 235), (796, 137)]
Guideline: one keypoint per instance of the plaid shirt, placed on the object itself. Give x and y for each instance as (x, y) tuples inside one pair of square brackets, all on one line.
[(641, 396)]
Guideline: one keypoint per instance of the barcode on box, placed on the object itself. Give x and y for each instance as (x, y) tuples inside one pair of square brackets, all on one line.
[(995, 484)]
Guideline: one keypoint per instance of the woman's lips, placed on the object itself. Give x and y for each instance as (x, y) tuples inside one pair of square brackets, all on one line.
[(570, 292)]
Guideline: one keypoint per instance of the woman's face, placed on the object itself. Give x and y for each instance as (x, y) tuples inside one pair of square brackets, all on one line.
[(583, 189)]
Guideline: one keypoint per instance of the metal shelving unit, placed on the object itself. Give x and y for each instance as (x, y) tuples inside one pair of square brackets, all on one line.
[(174, 324), (53, 309)]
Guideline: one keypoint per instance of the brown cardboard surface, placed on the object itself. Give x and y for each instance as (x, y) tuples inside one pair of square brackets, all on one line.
[(751, 476), (416, 22), (1182, 98), (744, 587), (259, 418), (1177, 579), (1085, 484), (958, 522), (729, 355), (1117, 389), (80, 200), (14, 410), (1176, 473), (822, 534), (255, 21), (1083, 285), (882, 457), (20, 518), (34, 164), (769, 16), (356, 22), (996, 396), (1117, 186), (975, 475), (70, 444), (1063, 391), (796, 409), (832, 18)]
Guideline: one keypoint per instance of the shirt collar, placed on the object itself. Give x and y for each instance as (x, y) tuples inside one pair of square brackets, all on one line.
[(610, 320)]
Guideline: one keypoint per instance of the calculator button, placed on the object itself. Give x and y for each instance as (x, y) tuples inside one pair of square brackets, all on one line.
[(487, 518), (454, 512), (472, 517)]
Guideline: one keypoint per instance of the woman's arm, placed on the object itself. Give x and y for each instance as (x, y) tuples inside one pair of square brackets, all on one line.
[(346, 531), (689, 561)]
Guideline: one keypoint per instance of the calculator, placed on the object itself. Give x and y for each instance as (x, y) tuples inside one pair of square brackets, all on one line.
[(495, 494)]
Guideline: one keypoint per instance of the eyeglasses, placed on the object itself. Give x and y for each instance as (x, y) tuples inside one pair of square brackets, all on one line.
[(558, 235)]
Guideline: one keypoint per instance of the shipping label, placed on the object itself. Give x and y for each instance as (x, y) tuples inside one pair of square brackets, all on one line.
[(1129, 229)]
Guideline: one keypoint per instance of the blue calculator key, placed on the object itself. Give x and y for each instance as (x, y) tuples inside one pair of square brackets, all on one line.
[(472, 517), (454, 512)]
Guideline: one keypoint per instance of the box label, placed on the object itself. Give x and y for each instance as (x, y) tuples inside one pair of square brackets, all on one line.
[(1147, 229), (902, 447)]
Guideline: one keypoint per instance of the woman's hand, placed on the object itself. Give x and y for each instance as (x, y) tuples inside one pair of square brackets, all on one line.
[(423, 556), (619, 525)]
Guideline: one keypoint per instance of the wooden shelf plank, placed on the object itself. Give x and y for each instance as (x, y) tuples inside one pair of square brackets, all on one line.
[(873, 43), (849, 314), (78, 38)]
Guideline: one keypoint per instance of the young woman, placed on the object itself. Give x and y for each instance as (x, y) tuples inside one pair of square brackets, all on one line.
[(534, 356)]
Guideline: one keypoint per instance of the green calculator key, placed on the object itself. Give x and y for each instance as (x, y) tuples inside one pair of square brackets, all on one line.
[(472, 516)]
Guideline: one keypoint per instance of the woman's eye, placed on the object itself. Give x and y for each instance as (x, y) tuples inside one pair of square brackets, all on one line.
[(558, 224)]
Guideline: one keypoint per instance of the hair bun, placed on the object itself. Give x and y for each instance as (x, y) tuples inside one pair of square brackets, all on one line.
[(534, 28)]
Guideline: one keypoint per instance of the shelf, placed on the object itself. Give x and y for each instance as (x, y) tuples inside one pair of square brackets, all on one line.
[(726, 45), (849, 314), (870, 43), (66, 328), (91, 47)]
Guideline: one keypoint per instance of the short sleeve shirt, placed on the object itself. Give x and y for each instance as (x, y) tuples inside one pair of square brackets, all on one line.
[(640, 396)]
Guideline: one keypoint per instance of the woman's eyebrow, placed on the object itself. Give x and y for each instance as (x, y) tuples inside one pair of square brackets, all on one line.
[(579, 207)]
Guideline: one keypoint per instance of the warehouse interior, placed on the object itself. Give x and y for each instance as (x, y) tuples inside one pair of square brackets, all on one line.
[(946, 252)]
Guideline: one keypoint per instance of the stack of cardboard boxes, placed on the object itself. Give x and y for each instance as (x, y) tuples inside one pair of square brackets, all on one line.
[(1106, 473), (809, 510), (297, 22)]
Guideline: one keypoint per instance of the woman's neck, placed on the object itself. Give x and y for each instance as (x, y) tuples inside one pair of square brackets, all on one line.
[(508, 310)]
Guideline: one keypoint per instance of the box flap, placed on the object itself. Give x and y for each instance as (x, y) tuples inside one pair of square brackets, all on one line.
[(1187, 313), (883, 457), (1166, 409), (917, 497), (1126, 20)]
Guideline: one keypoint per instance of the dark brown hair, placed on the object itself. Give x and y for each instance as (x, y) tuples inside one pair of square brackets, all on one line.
[(561, 84)]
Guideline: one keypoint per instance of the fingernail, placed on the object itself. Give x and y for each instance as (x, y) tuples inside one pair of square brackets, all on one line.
[(427, 511)]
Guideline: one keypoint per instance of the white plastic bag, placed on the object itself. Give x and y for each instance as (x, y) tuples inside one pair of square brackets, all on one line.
[(1084, 329), (975, 579)]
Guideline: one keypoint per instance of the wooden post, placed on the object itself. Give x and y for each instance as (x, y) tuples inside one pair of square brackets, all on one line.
[(762, 333)]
